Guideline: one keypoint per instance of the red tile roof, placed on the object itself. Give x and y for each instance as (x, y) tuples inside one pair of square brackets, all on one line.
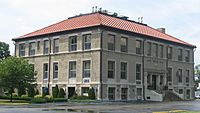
[(97, 19)]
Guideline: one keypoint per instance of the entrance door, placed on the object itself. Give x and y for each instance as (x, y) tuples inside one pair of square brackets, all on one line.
[(154, 82), (188, 94), (71, 91)]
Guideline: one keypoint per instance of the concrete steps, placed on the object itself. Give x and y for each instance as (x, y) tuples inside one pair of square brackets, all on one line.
[(171, 96)]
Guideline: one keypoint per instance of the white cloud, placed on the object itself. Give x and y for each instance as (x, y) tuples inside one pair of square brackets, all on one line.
[(180, 17)]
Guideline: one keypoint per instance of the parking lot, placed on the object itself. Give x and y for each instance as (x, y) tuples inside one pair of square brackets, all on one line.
[(150, 107)]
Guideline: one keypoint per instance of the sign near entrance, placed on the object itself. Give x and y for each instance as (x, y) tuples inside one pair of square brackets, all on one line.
[(86, 80)]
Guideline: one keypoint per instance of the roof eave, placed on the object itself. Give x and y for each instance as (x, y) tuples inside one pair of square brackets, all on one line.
[(25, 37)]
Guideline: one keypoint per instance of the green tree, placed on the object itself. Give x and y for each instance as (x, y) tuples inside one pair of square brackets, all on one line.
[(197, 74), (197, 71), (14, 73), (55, 92), (91, 93), (4, 50), (21, 90), (61, 93)]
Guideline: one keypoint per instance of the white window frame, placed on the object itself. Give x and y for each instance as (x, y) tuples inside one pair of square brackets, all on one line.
[(46, 47), (55, 71), (85, 42), (126, 76), (124, 45), (109, 94), (86, 69), (75, 70), (45, 72), (20, 50), (73, 45), (114, 71), (56, 47), (32, 49)]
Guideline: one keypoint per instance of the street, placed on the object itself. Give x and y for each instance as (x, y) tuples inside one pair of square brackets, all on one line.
[(151, 107)]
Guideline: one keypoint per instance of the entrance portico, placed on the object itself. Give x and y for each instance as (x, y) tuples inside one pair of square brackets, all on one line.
[(155, 81)]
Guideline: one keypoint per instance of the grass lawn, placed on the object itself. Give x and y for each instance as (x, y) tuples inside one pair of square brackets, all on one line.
[(190, 112), (15, 102), (178, 111)]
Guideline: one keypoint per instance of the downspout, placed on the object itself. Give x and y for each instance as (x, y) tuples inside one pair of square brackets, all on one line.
[(101, 76), (143, 69), (167, 60), (193, 87), (49, 56)]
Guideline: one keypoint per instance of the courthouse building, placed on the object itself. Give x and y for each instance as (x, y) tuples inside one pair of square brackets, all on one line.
[(120, 58)]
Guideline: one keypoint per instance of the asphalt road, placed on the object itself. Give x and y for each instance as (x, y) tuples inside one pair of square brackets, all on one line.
[(150, 107)]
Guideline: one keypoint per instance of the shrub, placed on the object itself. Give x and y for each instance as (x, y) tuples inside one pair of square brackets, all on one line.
[(37, 92), (91, 94), (14, 94), (38, 96), (55, 91), (4, 97), (61, 93), (60, 99), (24, 96), (38, 100), (16, 98), (31, 91), (75, 97), (49, 98)]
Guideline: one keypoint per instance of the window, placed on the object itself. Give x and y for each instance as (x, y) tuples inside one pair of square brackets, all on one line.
[(72, 69), (138, 71), (45, 71), (46, 47), (169, 74), (111, 93), (124, 93), (86, 69), (111, 42), (21, 49), (155, 46), (38, 45), (187, 78), (179, 75), (180, 91), (87, 41), (188, 93), (124, 44), (138, 46), (139, 93), (169, 52), (161, 80), (32, 48), (161, 51), (56, 45), (123, 70), (45, 90), (73, 43), (180, 54), (149, 48), (85, 91), (187, 57), (111, 69), (55, 70)]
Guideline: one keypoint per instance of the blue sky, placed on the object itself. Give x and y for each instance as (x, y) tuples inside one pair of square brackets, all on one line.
[(181, 18)]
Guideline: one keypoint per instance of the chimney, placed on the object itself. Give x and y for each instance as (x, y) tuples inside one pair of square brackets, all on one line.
[(162, 30)]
